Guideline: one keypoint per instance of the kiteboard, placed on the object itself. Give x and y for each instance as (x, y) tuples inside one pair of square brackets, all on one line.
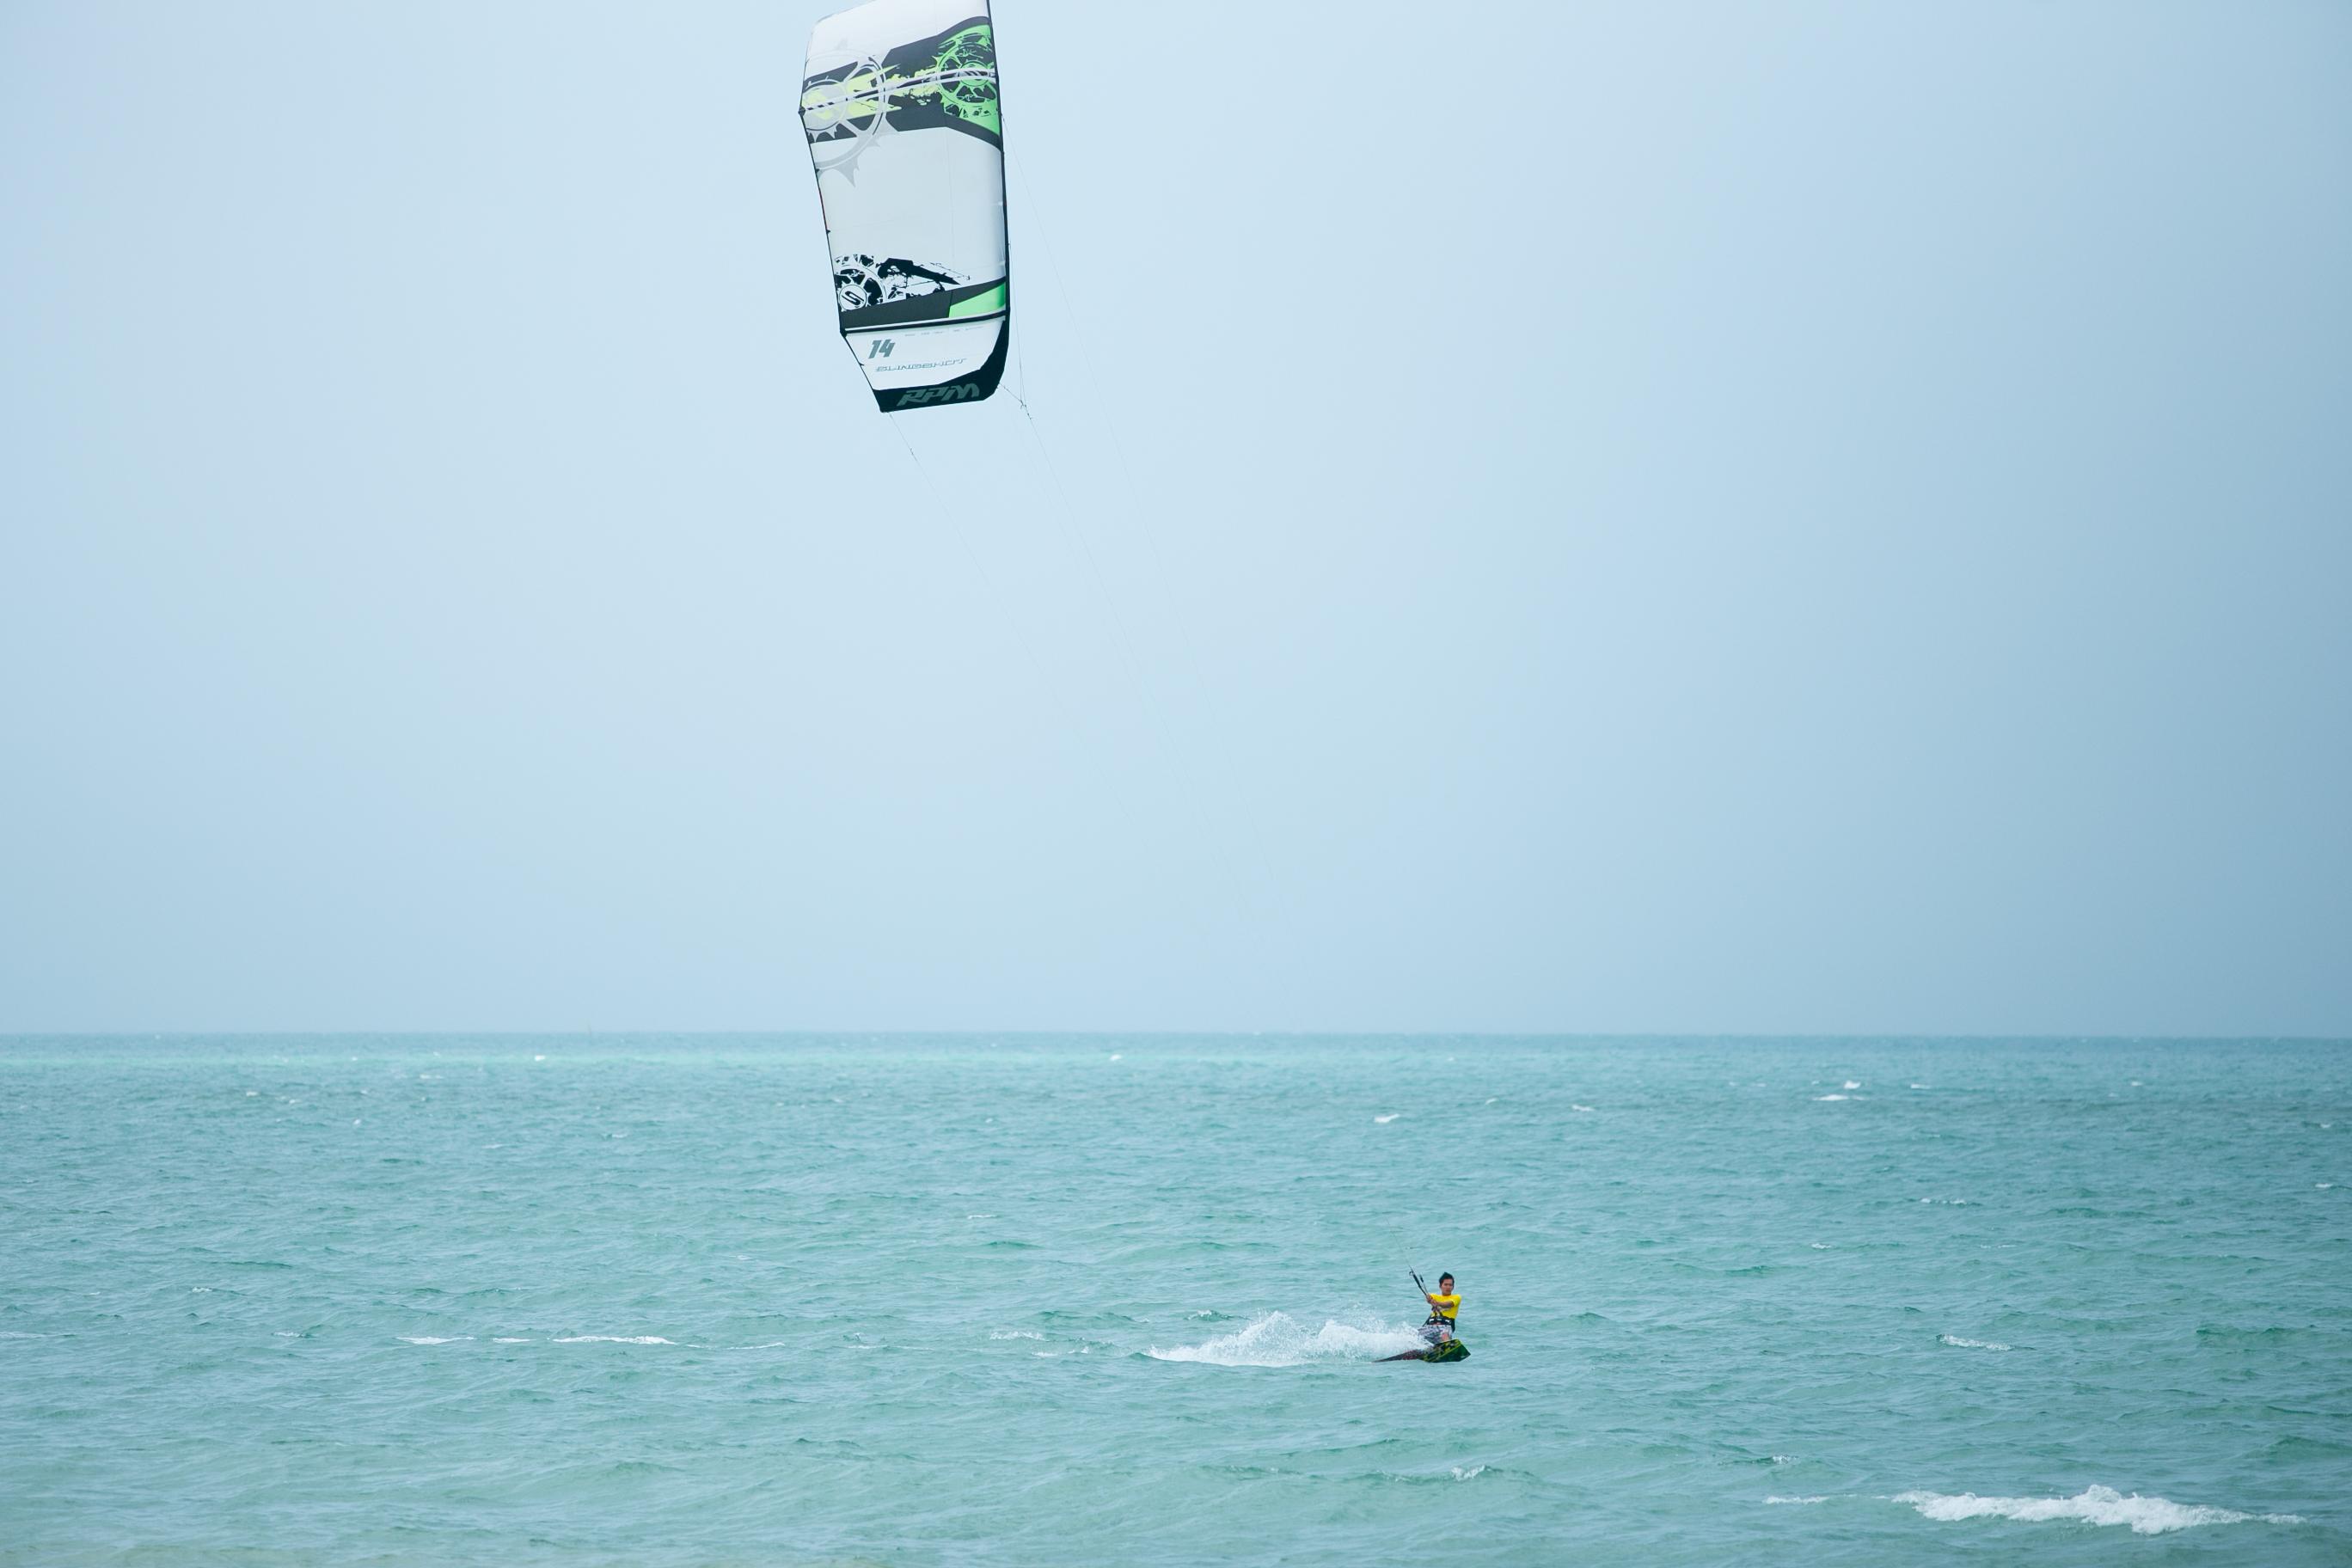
[(1445, 1350)]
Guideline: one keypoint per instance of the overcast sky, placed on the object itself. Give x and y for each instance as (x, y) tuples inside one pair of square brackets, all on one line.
[(1663, 517)]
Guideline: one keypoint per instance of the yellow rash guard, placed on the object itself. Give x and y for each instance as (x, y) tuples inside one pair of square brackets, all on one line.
[(1444, 1306)]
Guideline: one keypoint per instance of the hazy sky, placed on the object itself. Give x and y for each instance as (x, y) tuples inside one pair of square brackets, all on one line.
[(1808, 517)]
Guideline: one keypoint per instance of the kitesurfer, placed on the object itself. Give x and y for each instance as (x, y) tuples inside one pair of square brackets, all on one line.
[(1443, 1306)]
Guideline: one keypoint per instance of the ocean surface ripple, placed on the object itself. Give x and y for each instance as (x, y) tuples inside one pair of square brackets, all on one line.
[(934, 1302)]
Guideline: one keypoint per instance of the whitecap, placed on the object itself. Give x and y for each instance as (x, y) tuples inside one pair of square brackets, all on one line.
[(2095, 1505), (1954, 1340), (509, 1339), (1015, 1334), (1392, 1116), (1819, 1246), (1851, 1083), (1819, 1097), (616, 1340), (1771, 1502), (1462, 1475), (1573, 1106), (1276, 1339), (2323, 1186), (1918, 1086), (434, 1339), (539, 1058), (1114, 1056)]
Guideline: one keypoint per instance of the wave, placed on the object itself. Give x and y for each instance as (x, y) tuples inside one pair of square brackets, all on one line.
[(616, 1340), (434, 1339), (1954, 1340), (2097, 1505), (2271, 1334), (1277, 1339)]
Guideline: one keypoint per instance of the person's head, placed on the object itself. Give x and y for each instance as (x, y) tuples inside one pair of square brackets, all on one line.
[(1446, 1284)]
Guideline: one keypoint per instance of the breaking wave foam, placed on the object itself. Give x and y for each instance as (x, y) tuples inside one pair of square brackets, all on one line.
[(1277, 1339), (1954, 1340), (616, 1340), (2097, 1505)]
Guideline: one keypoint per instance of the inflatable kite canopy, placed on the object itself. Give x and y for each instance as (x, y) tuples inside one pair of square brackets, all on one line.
[(899, 103)]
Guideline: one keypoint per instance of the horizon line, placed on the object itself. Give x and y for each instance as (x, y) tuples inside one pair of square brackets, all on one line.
[(593, 1032)]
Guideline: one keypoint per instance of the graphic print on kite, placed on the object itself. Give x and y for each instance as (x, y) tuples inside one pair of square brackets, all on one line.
[(948, 81), (864, 281)]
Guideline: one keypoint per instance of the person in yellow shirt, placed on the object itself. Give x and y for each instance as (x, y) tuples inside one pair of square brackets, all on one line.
[(1444, 1306)]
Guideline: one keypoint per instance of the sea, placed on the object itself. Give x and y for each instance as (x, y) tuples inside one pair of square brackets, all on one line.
[(934, 1302)]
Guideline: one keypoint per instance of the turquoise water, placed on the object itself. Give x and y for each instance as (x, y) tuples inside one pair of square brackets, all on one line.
[(1116, 1300)]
